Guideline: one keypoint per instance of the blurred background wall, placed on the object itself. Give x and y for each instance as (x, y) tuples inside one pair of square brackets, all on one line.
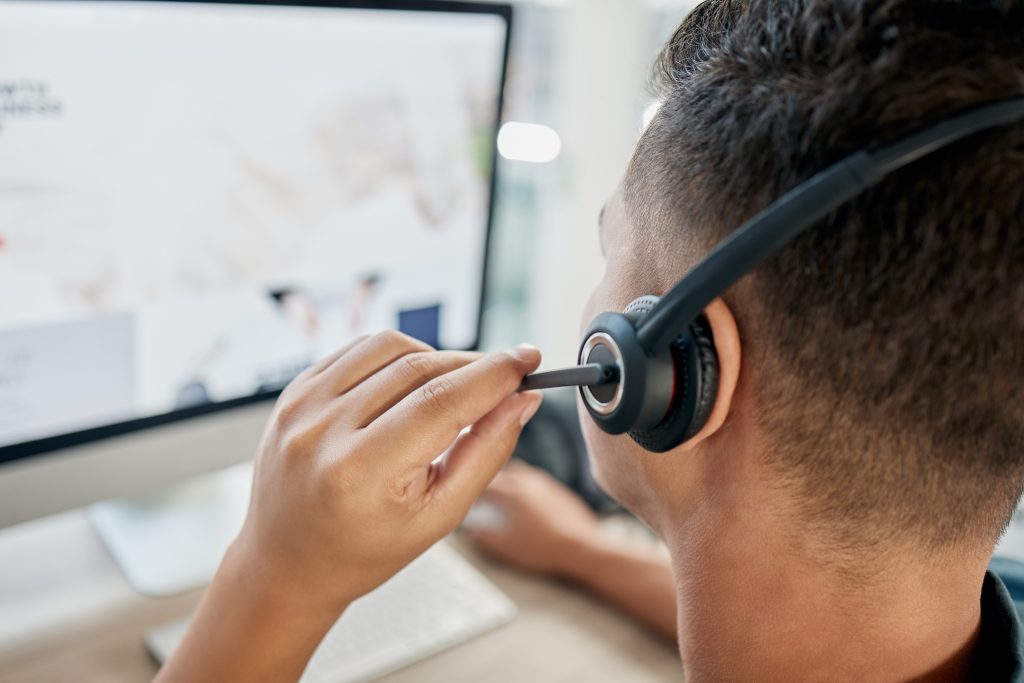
[(578, 74)]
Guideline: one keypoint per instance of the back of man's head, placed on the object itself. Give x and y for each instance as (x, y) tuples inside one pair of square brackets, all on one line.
[(887, 344)]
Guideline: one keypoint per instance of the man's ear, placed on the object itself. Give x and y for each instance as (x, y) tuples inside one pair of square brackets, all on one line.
[(727, 346)]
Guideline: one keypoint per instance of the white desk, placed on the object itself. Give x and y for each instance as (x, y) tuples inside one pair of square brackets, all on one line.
[(67, 615)]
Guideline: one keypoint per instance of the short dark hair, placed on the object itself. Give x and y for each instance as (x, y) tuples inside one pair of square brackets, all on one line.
[(887, 343)]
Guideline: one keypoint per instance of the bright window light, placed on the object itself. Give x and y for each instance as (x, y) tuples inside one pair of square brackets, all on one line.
[(528, 142)]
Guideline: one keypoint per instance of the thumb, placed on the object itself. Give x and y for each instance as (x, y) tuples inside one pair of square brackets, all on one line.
[(478, 455)]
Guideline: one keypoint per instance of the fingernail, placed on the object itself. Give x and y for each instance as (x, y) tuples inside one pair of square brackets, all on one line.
[(525, 352), (531, 408)]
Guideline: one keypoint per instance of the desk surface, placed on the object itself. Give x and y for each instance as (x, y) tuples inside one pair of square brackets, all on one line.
[(72, 618)]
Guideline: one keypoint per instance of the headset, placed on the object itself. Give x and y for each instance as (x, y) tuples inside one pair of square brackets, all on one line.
[(652, 370)]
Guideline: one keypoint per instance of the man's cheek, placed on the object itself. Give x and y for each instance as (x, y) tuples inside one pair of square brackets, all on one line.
[(593, 307)]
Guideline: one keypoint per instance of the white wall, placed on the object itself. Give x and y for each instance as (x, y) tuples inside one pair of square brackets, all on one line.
[(581, 67), (603, 57)]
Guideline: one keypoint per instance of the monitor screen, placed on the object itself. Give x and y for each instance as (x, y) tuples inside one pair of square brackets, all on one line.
[(197, 200)]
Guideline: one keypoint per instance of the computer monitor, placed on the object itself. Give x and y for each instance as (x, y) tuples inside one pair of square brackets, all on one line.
[(198, 199)]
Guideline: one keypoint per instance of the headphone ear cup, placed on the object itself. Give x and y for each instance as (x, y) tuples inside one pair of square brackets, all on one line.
[(696, 386)]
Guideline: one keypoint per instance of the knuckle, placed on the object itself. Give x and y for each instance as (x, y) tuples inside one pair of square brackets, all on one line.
[(300, 441), (295, 385), (503, 364), (289, 444), (389, 338), (395, 486), (287, 393), (438, 395), (398, 341), (298, 381), (498, 360), (505, 361), (416, 365), (288, 409)]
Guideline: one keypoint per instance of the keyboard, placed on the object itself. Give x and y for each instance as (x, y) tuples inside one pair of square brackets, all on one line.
[(436, 602)]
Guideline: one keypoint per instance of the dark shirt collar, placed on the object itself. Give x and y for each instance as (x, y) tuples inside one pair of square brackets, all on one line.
[(998, 656)]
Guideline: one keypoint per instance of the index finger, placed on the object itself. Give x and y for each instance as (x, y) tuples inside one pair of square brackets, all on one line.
[(426, 422)]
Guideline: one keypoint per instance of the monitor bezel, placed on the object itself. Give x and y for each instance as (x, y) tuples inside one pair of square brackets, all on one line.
[(41, 446)]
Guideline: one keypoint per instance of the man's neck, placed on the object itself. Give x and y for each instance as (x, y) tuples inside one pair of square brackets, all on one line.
[(757, 601)]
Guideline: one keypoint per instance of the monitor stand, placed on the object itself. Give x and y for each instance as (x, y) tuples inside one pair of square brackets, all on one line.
[(172, 542)]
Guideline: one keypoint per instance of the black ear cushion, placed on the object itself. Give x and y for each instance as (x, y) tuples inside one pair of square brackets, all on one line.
[(696, 387), (707, 386), (638, 308)]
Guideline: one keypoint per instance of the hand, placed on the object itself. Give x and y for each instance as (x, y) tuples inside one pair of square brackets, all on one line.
[(348, 486), (544, 522), (549, 530)]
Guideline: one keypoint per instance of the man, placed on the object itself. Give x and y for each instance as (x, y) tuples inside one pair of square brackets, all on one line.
[(834, 518)]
